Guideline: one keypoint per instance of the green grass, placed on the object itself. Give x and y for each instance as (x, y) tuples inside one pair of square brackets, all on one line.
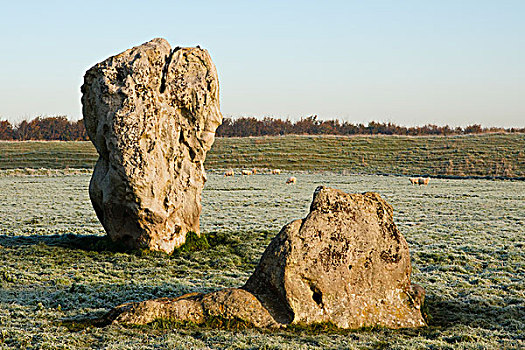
[(211, 322), (486, 155), (57, 271), (194, 243)]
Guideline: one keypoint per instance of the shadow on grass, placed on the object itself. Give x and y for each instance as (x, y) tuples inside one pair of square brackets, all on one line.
[(442, 312), (84, 242), (81, 305), (445, 313), (95, 243)]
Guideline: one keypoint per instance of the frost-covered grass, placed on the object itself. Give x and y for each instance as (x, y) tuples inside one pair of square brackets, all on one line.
[(43, 172), (466, 239)]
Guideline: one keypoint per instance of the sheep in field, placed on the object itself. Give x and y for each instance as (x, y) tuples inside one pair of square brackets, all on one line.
[(419, 181), (291, 180), (246, 172), (229, 173), (423, 181), (276, 171)]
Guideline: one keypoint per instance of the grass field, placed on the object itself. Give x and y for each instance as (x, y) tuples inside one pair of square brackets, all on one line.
[(466, 239), (487, 155)]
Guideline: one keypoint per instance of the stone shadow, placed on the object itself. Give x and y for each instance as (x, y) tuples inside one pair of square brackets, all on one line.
[(83, 303), (446, 313), (72, 241)]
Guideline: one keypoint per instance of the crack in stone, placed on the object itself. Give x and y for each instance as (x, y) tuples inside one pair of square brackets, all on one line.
[(165, 69)]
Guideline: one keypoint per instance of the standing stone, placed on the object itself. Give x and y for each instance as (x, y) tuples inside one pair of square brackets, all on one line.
[(345, 263), (151, 113)]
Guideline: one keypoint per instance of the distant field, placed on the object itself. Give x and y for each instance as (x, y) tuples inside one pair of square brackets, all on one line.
[(47, 154), (487, 155)]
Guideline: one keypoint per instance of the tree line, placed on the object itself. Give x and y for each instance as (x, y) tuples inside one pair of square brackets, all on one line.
[(44, 128), (249, 126), (60, 128)]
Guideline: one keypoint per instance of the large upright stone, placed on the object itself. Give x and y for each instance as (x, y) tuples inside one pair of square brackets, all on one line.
[(345, 263), (151, 113)]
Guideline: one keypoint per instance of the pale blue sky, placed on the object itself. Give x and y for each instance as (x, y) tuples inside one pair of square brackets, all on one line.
[(409, 62)]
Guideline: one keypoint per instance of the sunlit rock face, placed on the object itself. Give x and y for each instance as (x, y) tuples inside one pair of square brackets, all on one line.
[(228, 304), (345, 263), (151, 113)]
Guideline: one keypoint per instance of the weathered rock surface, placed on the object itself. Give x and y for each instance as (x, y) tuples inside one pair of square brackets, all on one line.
[(232, 303), (345, 263), (151, 113)]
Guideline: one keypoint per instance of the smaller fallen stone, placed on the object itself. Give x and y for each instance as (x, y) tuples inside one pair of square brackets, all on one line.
[(346, 264)]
